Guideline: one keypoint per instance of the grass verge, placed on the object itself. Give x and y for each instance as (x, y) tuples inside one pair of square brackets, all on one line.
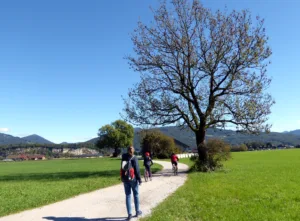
[(30, 184), (252, 186)]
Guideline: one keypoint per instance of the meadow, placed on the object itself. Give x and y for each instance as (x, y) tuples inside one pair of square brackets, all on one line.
[(30, 184), (252, 186)]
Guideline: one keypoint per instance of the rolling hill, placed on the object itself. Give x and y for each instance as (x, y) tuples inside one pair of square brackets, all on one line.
[(187, 136), (9, 139), (36, 139), (182, 137), (295, 132)]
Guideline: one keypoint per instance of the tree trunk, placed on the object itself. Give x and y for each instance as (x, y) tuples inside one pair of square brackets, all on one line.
[(117, 152), (202, 150)]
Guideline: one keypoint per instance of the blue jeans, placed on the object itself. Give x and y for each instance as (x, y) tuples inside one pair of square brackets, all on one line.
[(135, 189), (148, 168)]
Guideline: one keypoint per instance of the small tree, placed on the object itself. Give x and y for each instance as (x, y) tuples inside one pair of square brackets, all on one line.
[(116, 135), (158, 144), (243, 147), (238, 148), (201, 69)]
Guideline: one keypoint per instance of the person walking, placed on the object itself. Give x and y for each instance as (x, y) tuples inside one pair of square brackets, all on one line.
[(131, 178), (147, 164)]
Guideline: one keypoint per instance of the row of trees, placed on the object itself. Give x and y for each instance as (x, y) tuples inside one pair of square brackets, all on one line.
[(120, 134)]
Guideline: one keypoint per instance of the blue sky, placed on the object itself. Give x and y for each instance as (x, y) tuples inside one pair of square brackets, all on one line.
[(62, 72)]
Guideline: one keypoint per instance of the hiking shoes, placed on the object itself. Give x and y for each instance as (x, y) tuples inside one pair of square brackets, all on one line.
[(139, 213)]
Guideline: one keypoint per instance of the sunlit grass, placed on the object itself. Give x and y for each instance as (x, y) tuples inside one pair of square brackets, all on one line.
[(30, 184), (252, 186)]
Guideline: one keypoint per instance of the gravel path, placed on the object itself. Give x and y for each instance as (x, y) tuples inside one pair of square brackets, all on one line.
[(108, 203)]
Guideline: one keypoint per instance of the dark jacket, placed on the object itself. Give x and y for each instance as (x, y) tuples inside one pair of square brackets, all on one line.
[(135, 165), (148, 161)]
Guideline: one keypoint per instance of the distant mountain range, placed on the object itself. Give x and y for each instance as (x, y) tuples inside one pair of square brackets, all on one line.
[(295, 132), (182, 137), (187, 137), (9, 139)]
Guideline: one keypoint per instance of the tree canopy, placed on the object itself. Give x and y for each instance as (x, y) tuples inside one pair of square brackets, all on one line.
[(158, 144), (200, 69), (118, 134)]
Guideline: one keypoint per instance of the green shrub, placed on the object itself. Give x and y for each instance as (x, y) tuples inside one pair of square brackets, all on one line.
[(217, 151), (239, 148), (158, 144), (194, 158)]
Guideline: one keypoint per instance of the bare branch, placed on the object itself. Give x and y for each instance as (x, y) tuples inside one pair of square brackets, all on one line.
[(200, 69)]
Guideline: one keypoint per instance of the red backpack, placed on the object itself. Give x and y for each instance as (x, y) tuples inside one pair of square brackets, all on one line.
[(127, 170)]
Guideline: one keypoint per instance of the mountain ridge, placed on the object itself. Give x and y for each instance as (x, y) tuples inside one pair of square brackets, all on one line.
[(34, 138), (6, 139), (185, 136)]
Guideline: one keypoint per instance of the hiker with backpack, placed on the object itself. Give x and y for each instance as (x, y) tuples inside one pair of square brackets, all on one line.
[(147, 164), (131, 178)]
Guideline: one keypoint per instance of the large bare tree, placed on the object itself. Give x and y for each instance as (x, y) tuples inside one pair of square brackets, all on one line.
[(200, 69)]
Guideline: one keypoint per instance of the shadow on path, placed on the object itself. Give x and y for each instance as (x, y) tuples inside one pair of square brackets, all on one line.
[(59, 175), (167, 173), (84, 219)]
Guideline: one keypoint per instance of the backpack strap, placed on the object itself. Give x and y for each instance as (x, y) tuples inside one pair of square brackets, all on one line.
[(131, 158)]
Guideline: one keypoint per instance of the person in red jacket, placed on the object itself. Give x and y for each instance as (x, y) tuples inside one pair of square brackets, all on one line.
[(174, 160)]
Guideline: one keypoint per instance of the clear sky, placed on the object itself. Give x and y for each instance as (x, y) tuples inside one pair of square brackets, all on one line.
[(62, 72)]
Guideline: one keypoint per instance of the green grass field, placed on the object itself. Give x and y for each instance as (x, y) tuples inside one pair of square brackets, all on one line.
[(252, 186), (30, 184)]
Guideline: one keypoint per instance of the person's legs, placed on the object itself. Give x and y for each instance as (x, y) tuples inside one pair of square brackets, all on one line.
[(135, 190), (148, 170), (150, 173), (127, 187), (174, 166)]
